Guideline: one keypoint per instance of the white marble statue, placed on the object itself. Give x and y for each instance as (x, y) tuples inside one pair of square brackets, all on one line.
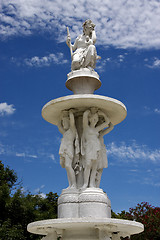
[(91, 145), (102, 158), (83, 51), (69, 145)]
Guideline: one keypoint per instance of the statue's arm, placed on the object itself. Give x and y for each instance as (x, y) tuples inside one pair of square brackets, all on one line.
[(94, 36), (70, 45), (85, 118), (106, 121), (107, 130), (72, 120), (60, 127), (74, 46)]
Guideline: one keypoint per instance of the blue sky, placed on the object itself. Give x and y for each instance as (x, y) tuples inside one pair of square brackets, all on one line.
[(34, 62)]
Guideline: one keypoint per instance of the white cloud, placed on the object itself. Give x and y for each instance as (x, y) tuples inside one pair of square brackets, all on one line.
[(102, 64), (156, 110), (42, 195), (2, 149), (6, 109), (28, 154), (46, 60), (20, 154), (148, 110), (52, 157), (25, 155), (121, 58), (37, 190), (133, 152), (154, 63), (118, 23)]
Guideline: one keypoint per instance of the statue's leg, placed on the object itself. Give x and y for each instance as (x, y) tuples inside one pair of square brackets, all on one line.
[(86, 176), (93, 174), (70, 172), (98, 177), (90, 60), (76, 62)]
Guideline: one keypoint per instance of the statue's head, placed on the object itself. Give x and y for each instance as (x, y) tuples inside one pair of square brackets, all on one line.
[(93, 119), (65, 123), (88, 27), (65, 120)]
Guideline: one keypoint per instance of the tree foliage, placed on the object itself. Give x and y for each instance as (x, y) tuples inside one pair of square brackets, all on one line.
[(147, 215), (19, 209)]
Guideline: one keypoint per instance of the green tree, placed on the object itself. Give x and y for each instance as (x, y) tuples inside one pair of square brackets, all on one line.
[(7, 179), (147, 215), (19, 209)]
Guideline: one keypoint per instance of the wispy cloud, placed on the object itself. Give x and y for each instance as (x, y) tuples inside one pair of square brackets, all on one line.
[(102, 64), (153, 63), (52, 157), (26, 155), (118, 23), (42, 195), (148, 110), (46, 60), (157, 110), (37, 190), (133, 152), (6, 109)]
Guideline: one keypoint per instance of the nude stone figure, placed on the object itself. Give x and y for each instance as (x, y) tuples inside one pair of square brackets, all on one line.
[(83, 51), (91, 145), (69, 147)]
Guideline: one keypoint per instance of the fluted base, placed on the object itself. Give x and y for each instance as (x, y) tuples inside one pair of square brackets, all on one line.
[(91, 202)]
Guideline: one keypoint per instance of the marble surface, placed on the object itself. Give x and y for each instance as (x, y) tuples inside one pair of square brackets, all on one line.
[(91, 202), (114, 109), (64, 226), (83, 81)]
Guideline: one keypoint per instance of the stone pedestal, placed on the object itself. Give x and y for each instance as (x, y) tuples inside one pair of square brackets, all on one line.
[(83, 81), (91, 202)]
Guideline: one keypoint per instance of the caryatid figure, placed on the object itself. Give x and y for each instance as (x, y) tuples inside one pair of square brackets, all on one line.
[(83, 51), (102, 157), (69, 145), (91, 146)]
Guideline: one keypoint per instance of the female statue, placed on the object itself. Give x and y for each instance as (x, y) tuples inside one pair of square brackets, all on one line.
[(84, 52), (91, 146), (69, 145), (102, 158)]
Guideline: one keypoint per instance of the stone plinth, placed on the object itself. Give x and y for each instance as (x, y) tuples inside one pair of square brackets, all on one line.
[(68, 204), (83, 81), (91, 202)]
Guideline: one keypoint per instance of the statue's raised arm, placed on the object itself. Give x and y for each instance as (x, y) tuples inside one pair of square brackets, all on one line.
[(83, 51)]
